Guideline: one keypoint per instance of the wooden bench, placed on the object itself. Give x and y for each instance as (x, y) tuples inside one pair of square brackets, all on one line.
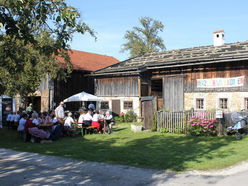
[(88, 130), (84, 130), (71, 132)]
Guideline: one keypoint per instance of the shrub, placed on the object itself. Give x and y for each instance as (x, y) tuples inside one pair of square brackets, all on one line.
[(122, 117), (117, 119), (179, 130), (199, 126), (130, 116), (164, 130)]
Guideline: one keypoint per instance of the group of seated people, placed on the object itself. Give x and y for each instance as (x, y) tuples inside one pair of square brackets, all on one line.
[(29, 123), (31, 126), (91, 118)]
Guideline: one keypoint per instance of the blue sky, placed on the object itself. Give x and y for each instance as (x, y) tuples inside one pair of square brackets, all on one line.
[(188, 23)]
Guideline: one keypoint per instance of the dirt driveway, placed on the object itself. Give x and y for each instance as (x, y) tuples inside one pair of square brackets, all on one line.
[(22, 168)]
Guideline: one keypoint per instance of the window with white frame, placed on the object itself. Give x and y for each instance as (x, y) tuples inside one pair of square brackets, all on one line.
[(223, 103), (128, 105), (246, 104), (199, 103), (104, 105)]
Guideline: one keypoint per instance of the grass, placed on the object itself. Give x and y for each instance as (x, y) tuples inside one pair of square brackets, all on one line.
[(145, 149)]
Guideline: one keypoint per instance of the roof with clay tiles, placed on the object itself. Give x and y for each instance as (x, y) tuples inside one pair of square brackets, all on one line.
[(90, 61)]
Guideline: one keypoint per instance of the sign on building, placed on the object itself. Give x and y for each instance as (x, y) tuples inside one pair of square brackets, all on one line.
[(221, 82)]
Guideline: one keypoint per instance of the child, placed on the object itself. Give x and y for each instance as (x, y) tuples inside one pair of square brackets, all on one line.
[(68, 121)]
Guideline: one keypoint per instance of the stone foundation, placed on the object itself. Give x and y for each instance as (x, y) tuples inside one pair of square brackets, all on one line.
[(236, 100)]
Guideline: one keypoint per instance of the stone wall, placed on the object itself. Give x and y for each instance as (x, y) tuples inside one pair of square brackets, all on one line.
[(236, 100)]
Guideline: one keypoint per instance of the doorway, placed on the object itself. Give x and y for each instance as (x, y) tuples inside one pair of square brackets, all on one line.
[(116, 109), (36, 102)]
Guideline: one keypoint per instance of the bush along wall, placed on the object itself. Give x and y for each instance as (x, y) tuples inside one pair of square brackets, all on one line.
[(130, 116), (198, 126)]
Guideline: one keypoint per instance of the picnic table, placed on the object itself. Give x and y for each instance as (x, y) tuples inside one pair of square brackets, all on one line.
[(45, 125), (82, 128)]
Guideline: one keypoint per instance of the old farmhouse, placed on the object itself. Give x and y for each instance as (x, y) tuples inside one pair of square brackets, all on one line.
[(202, 78), (52, 91)]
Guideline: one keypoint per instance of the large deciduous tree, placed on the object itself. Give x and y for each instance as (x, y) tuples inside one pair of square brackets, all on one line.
[(145, 39), (33, 33)]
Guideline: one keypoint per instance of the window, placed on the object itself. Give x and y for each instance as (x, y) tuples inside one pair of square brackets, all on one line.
[(223, 103), (246, 104), (217, 35), (104, 105), (128, 105), (199, 103)]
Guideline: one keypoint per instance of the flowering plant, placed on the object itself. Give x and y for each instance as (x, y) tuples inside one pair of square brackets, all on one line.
[(200, 126)]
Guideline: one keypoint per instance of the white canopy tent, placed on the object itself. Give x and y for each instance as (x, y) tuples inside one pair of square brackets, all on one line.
[(82, 96)]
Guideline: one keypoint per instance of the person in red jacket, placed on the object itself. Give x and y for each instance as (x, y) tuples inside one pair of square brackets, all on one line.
[(95, 121), (29, 124)]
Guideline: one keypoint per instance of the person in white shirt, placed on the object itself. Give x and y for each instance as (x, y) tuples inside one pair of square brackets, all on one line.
[(16, 119), (68, 121), (22, 123), (88, 118), (35, 118), (12, 119), (60, 113), (95, 120), (109, 121), (8, 119), (81, 118)]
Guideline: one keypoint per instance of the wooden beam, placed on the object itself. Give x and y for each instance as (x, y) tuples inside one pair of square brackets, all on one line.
[(139, 85), (149, 88)]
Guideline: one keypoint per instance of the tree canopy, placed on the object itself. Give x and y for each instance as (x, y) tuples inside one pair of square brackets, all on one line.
[(144, 39), (33, 33)]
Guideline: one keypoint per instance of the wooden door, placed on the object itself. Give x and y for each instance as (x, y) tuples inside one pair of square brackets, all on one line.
[(148, 111), (173, 94), (116, 107), (149, 107)]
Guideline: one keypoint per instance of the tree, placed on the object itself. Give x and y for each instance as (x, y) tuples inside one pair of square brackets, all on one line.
[(145, 39), (33, 34)]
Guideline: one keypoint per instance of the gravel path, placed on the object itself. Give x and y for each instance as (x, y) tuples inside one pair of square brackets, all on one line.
[(22, 168)]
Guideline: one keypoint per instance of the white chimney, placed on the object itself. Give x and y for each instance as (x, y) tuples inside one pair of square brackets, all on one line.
[(219, 39)]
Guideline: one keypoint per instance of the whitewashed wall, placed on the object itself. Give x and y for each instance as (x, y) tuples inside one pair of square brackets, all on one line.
[(122, 99)]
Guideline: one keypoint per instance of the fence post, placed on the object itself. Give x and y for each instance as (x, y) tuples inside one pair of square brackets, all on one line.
[(158, 119), (219, 116)]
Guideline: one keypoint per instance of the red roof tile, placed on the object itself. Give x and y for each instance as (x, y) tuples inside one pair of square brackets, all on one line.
[(89, 61)]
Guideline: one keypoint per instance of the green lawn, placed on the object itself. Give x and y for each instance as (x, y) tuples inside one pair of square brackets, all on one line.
[(145, 149)]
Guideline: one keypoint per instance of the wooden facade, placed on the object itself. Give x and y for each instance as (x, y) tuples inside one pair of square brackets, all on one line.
[(77, 82), (172, 76), (176, 82), (120, 86), (173, 94), (52, 91)]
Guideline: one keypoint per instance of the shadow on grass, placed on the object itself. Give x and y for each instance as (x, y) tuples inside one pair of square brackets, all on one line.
[(117, 129), (160, 152), (174, 152)]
